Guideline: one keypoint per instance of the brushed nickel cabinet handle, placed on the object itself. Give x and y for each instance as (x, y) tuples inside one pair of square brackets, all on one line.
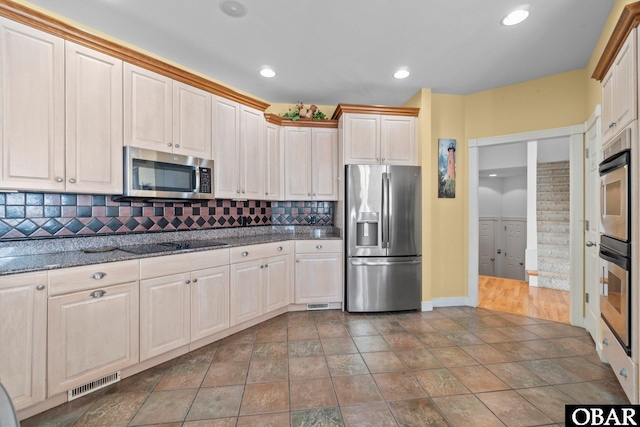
[(318, 246), (605, 341), (245, 253), (623, 373), (169, 144), (98, 294), (99, 275), (40, 287), (279, 248), (72, 180), (177, 145), (195, 280), (59, 179), (187, 281)]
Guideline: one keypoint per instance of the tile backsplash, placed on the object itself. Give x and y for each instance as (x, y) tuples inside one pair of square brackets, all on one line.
[(32, 215)]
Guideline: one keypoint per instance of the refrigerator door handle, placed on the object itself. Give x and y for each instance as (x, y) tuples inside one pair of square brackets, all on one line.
[(383, 263), (385, 210)]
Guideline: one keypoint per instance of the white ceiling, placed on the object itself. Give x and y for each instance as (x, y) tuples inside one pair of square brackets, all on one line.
[(329, 52)]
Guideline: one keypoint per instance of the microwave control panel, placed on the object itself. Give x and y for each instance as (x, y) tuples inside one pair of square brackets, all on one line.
[(205, 180)]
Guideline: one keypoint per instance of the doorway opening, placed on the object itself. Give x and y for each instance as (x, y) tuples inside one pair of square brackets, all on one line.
[(533, 248)]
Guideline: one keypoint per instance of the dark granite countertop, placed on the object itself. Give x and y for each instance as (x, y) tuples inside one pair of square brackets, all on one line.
[(42, 255)]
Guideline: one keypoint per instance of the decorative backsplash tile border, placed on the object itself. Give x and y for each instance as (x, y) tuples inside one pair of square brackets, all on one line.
[(32, 215)]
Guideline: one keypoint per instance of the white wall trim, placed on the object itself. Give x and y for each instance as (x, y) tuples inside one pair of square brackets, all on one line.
[(514, 218), (488, 218), (450, 302), (427, 306), (473, 225)]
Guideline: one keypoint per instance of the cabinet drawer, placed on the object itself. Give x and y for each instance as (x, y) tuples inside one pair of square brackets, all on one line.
[(253, 252), (182, 263), (318, 246), (92, 276), (619, 361)]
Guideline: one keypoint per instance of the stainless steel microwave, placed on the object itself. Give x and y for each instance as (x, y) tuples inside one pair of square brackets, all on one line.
[(152, 174), (615, 188)]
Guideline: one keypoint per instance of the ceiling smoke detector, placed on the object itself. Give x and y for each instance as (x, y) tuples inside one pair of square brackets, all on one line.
[(233, 8)]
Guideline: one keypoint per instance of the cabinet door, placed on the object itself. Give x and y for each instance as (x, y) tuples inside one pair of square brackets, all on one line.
[(23, 316), (362, 139), (276, 282), (324, 164), (608, 122), (165, 314), (93, 121), (246, 291), (251, 153), (274, 160), (209, 301), (297, 148), (318, 278), (398, 145), (31, 108), (226, 150), (148, 109), (91, 335), (625, 83), (191, 121)]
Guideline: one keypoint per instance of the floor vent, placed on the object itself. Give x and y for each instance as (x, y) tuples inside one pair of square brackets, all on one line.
[(92, 386), (324, 306)]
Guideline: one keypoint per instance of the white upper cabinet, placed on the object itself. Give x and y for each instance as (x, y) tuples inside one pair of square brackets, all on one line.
[(379, 139), (148, 109), (93, 121), (311, 163), (31, 108), (61, 114), (274, 163), (620, 90), (238, 146), (191, 121)]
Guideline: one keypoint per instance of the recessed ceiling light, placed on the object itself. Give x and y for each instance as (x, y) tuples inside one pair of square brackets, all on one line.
[(233, 8), (515, 17), (267, 72), (401, 74), (493, 174)]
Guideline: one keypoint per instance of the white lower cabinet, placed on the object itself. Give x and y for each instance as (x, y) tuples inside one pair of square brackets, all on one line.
[(93, 323), (319, 275), (260, 284), (23, 337), (183, 298)]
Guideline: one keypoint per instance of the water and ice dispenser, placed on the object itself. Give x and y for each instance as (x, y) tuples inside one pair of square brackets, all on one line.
[(367, 228)]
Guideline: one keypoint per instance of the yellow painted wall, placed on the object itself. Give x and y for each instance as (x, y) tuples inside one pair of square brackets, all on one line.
[(550, 102)]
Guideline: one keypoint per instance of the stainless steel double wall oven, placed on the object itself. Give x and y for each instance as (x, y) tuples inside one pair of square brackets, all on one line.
[(615, 240)]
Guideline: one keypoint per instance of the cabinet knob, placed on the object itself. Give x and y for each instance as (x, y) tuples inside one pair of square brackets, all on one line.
[(169, 144), (266, 193), (279, 248), (40, 287), (99, 275), (314, 194), (245, 253), (187, 281), (98, 294), (195, 280), (242, 191), (262, 266), (297, 260), (266, 266), (238, 191), (605, 341), (612, 124), (318, 246), (59, 179), (308, 194), (177, 145), (377, 159), (72, 180), (623, 373), (383, 159)]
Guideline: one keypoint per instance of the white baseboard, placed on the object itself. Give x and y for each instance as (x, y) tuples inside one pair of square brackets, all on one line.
[(444, 302), (533, 281), (427, 306)]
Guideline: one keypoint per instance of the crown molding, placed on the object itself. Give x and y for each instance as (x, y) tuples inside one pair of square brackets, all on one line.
[(374, 109), (629, 19)]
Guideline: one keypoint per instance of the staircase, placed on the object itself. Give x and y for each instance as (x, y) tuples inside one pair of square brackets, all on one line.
[(553, 225)]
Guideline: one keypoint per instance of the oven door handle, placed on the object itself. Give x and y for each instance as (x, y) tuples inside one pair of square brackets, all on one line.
[(614, 162), (619, 260)]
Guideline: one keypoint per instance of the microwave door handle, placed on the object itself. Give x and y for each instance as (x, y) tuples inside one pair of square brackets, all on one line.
[(620, 261), (196, 171)]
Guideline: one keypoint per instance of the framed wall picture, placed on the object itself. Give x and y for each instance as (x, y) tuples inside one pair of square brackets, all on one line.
[(446, 168)]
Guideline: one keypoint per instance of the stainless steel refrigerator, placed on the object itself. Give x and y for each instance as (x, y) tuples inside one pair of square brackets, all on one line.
[(383, 238)]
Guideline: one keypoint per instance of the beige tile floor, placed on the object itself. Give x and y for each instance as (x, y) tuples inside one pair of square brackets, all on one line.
[(453, 366)]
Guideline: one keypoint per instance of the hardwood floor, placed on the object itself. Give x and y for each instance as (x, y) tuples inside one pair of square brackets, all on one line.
[(516, 296)]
